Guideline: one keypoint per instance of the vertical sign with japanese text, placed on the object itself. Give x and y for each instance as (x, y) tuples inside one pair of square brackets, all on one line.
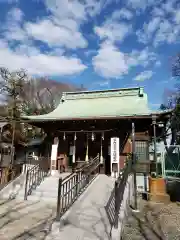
[(114, 150)]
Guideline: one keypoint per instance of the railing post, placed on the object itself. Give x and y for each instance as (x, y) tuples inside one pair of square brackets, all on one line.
[(26, 185), (59, 200), (77, 182), (116, 206)]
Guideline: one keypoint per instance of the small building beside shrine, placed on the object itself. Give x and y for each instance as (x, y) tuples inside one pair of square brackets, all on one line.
[(84, 124)]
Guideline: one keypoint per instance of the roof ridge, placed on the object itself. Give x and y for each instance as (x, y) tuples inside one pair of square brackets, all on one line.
[(121, 92), (103, 91)]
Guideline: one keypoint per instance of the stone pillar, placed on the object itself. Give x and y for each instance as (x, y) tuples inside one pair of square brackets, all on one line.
[(54, 151)]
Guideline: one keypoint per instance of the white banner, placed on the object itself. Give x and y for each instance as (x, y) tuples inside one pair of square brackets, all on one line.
[(114, 150), (54, 151)]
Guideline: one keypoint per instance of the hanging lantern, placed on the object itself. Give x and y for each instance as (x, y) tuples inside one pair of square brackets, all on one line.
[(92, 137), (64, 137)]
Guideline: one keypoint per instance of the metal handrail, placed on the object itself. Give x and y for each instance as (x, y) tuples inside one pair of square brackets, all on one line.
[(113, 205), (34, 177), (120, 185), (73, 185)]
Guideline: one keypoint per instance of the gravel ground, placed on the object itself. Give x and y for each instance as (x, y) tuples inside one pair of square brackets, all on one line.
[(155, 221)]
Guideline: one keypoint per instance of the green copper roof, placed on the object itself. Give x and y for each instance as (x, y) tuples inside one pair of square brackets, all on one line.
[(98, 104)]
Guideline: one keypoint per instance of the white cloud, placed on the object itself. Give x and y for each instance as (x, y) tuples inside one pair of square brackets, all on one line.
[(142, 4), (110, 62), (9, 1), (152, 25), (76, 9), (59, 36), (31, 59), (15, 14), (143, 76), (177, 16), (137, 4), (168, 6), (143, 57), (123, 13), (113, 31), (145, 35), (57, 33), (158, 12), (101, 83), (164, 26), (157, 63), (15, 32), (12, 29), (167, 33), (66, 18), (64, 8), (113, 63)]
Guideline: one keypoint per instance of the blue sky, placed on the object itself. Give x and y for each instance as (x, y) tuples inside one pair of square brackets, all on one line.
[(98, 43)]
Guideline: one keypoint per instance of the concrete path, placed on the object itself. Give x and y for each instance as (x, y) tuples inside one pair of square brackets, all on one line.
[(25, 220), (86, 219)]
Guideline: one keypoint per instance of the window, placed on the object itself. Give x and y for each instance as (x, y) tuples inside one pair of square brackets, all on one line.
[(141, 149)]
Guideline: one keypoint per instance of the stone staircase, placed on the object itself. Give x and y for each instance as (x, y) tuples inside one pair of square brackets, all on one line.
[(29, 219), (47, 191)]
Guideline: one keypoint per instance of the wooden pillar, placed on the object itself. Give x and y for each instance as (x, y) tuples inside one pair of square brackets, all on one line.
[(54, 155)]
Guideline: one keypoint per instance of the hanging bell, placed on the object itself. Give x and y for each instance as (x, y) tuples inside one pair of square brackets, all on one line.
[(103, 136), (64, 137), (92, 137), (75, 137), (87, 151)]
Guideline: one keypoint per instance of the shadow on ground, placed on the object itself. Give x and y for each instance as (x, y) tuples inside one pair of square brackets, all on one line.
[(91, 221), (21, 220)]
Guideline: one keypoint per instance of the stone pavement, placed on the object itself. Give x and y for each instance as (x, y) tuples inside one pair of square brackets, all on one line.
[(87, 218)]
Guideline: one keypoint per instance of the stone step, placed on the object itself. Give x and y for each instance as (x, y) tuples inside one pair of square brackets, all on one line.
[(48, 199), (45, 193)]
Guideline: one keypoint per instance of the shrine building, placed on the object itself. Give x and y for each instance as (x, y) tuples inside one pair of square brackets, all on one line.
[(88, 123)]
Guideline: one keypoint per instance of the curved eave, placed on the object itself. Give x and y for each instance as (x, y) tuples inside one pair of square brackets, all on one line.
[(162, 112), (88, 118), (43, 118)]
